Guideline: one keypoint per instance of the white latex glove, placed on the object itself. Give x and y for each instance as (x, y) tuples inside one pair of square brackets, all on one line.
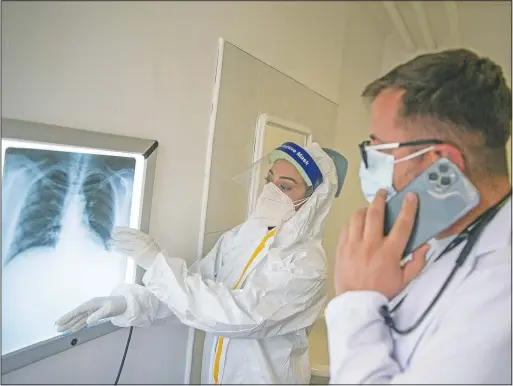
[(135, 244), (91, 312)]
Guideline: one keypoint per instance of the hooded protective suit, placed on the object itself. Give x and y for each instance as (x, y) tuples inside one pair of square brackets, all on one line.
[(256, 294)]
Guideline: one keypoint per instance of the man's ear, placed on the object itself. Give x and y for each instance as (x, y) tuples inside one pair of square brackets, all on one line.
[(452, 153)]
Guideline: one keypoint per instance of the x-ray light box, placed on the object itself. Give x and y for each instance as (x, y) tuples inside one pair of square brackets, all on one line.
[(63, 192)]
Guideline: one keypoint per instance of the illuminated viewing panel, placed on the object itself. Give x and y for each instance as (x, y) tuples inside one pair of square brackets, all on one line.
[(60, 205)]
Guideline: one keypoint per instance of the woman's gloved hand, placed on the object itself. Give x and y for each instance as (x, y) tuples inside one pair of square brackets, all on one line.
[(135, 244), (91, 312)]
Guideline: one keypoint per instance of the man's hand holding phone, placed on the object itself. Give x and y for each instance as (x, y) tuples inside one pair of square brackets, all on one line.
[(367, 260)]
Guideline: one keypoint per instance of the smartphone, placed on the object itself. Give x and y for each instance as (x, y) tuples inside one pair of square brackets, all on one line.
[(444, 194)]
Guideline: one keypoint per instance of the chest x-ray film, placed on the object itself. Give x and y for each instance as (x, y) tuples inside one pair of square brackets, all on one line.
[(60, 205)]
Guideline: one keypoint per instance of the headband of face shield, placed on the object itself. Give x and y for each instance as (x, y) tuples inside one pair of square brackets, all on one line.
[(254, 177), (287, 151), (377, 167), (298, 157), (273, 205)]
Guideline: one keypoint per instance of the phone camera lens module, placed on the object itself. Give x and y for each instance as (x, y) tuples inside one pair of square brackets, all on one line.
[(433, 176), (445, 181), (443, 168)]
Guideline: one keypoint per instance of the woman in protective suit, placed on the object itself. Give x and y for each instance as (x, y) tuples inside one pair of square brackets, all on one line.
[(259, 290)]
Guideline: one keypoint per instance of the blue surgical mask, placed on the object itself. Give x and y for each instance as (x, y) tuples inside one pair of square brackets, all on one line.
[(380, 172)]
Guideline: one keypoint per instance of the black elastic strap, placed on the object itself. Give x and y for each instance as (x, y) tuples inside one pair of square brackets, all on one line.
[(471, 233)]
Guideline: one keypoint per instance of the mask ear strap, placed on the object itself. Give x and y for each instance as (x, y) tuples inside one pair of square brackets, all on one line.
[(299, 202), (413, 155)]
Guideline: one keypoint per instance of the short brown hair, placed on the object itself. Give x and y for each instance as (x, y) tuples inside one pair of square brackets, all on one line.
[(463, 96)]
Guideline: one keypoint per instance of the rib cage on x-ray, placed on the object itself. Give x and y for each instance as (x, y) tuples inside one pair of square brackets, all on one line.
[(100, 203), (48, 182), (39, 221)]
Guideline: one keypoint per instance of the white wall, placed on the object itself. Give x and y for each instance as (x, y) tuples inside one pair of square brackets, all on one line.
[(361, 64), (493, 21), (146, 69), (484, 27)]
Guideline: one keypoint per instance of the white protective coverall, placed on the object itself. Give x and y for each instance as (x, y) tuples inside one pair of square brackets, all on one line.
[(256, 294)]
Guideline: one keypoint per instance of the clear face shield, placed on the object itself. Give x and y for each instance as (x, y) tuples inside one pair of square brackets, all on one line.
[(289, 167)]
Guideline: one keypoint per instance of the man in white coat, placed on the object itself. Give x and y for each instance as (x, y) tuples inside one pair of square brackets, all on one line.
[(259, 290), (381, 326)]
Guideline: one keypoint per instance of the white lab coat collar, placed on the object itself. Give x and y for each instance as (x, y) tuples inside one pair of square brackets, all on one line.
[(497, 234)]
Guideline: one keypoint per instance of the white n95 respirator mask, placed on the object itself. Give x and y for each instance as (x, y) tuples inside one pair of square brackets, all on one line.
[(379, 173), (274, 207)]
